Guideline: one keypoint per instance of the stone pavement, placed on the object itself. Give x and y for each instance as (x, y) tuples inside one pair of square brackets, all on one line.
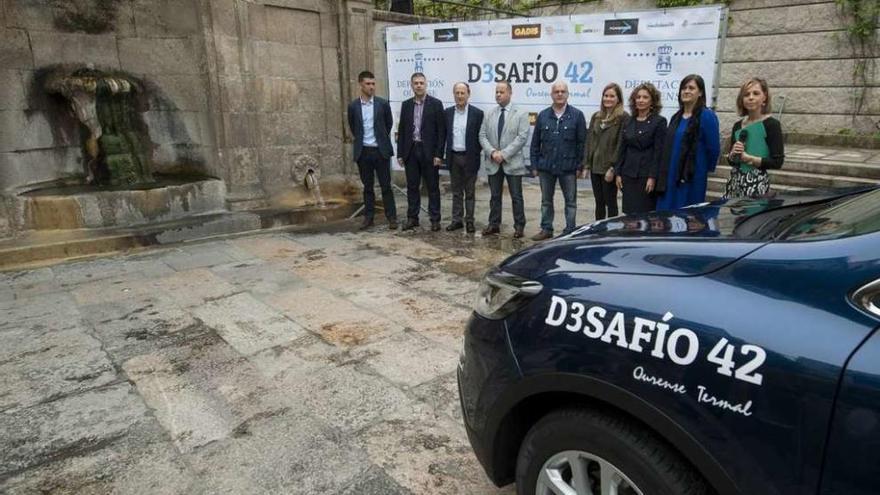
[(298, 362)]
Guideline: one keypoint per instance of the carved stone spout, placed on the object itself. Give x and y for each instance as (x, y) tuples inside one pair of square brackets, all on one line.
[(103, 103)]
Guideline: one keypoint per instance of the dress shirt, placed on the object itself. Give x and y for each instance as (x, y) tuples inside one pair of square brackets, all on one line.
[(367, 116), (418, 110), (459, 129)]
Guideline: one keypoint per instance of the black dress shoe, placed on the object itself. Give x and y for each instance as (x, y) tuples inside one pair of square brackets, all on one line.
[(518, 233), (454, 226), (367, 223), (491, 230), (470, 228), (435, 226), (410, 224), (392, 224)]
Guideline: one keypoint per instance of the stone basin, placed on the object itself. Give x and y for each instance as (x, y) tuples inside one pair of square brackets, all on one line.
[(82, 206)]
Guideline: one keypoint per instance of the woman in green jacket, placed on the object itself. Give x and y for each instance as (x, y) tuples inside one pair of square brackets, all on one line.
[(603, 146)]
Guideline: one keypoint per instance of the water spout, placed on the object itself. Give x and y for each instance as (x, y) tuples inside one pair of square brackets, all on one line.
[(311, 183)]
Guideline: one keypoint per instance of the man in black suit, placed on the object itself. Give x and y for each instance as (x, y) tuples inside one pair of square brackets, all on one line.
[(370, 120), (420, 141), (463, 123)]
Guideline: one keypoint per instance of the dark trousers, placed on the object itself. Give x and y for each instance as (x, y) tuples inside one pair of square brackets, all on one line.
[(371, 163), (514, 186), (606, 196), (420, 167), (568, 184), (463, 186), (635, 199)]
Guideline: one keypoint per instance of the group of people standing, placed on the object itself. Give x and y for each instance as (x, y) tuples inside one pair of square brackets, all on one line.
[(655, 164)]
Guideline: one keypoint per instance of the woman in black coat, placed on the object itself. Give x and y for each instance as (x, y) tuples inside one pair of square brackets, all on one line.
[(641, 150)]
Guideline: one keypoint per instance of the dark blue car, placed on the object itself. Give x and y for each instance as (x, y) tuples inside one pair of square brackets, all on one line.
[(724, 348)]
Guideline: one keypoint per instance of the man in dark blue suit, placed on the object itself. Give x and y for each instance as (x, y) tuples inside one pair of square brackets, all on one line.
[(370, 120), (420, 142), (463, 123)]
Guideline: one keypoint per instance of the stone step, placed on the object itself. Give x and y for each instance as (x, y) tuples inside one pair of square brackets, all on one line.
[(830, 167), (804, 179)]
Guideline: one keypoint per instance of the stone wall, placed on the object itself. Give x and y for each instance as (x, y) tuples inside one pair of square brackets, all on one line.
[(280, 98), (235, 89), (158, 42), (799, 46)]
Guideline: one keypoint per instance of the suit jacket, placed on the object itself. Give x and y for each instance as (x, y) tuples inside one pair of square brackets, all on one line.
[(382, 122), (511, 142), (433, 128), (471, 137), (641, 147)]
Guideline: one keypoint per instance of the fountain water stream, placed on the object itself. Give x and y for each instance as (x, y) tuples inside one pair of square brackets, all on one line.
[(311, 183)]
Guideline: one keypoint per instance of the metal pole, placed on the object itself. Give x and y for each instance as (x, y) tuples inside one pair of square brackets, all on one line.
[(722, 39)]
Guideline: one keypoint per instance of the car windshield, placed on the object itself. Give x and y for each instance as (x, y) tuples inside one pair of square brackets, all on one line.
[(843, 217)]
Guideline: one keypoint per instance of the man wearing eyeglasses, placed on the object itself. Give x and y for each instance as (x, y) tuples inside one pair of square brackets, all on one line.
[(557, 155)]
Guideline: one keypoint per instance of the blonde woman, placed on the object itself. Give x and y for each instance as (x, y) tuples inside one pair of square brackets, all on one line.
[(603, 149), (756, 143)]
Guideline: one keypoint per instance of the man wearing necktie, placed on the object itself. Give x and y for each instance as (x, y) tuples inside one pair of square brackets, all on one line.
[(503, 136)]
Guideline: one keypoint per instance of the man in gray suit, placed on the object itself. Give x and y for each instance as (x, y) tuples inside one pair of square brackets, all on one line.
[(503, 136)]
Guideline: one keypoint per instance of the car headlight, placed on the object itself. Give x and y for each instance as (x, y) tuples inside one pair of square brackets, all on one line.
[(501, 293)]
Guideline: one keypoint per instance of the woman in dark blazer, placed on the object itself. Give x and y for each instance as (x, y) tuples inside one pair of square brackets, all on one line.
[(641, 150)]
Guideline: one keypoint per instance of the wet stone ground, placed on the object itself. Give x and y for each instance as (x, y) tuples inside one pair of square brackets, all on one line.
[(289, 362)]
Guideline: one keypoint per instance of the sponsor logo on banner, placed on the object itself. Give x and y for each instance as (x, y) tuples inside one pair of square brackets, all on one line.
[(685, 23), (497, 32), (533, 117), (664, 60), (583, 29), (661, 25), (471, 33), (621, 26), (525, 31), (445, 35), (552, 30), (418, 62)]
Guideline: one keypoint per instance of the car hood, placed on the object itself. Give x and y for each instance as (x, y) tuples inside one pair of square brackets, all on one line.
[(686, 242)]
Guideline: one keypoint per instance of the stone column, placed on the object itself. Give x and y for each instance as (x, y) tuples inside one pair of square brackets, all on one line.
[(357, 41), (232, 100)]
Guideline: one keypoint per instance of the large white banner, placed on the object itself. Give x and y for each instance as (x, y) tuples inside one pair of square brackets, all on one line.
[(586, 51)]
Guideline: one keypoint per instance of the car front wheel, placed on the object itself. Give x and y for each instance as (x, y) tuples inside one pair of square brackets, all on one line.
[(585, 452)]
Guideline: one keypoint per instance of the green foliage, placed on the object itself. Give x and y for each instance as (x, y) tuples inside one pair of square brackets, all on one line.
[(865, 15), (862, 17), (464, 9)]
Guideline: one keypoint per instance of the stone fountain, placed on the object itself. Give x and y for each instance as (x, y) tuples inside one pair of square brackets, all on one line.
[(114, 152)]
